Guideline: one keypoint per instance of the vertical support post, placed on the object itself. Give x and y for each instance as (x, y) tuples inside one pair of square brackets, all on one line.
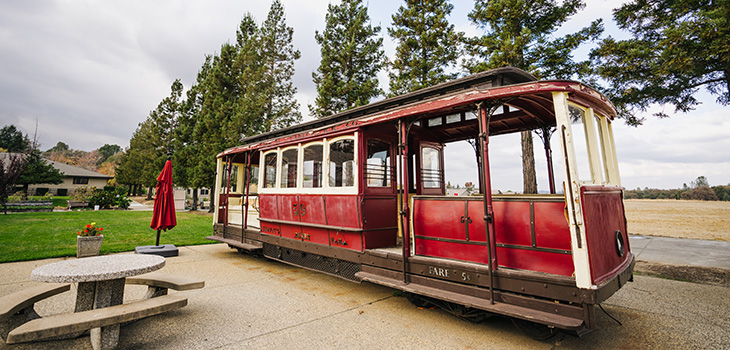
[(546, 135), (228, 193), (484, 116), (403, 149), (572, 186), (248, 184)]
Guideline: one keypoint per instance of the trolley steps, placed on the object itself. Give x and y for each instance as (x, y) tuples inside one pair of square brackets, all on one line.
[(237, 244), (417, 286)]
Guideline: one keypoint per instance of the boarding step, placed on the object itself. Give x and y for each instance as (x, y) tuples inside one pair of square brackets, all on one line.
[(550, 319), (238, 244)]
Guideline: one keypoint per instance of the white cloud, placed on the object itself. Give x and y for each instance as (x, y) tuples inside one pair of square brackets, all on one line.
[(89, 72)]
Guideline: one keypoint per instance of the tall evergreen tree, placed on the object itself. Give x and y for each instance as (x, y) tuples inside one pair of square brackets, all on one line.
[(677, 47), (150, 143), (278, 56), (38, 171), (13, 140), (519, 34), (11, 167), (427, 45), (352, 56)]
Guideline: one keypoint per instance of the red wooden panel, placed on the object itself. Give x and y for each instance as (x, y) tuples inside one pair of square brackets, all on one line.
[(222, 210), (342, 210), (558, 264), (452, 250), (603, 212), (551, 227), (312, 234), (287, 204), (270, 228), (512, 223), (478, 227), (267, 206), (313, 212), (290, 231), (379, 212), (380, 238), (439, 218), (345, 239)]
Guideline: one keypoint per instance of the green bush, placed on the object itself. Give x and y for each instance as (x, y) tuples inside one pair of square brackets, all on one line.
[(110, 197)]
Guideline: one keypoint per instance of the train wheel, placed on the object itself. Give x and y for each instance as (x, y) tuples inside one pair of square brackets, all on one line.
[(534, 330), (418, 301)]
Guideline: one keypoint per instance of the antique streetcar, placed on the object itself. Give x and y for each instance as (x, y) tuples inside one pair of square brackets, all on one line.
[(361, 195)]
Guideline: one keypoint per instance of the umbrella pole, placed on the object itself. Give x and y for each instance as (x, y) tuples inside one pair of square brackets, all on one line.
[(158, 238)]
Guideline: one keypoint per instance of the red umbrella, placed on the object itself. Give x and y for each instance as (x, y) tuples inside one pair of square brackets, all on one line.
[(163, 216)]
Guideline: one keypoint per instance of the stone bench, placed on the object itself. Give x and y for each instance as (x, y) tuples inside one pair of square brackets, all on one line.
[(70, 323), (18, 308), (77, 204), (159, 283)]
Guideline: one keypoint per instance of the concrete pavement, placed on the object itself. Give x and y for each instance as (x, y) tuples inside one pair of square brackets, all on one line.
[(255, 303), (682, 252)]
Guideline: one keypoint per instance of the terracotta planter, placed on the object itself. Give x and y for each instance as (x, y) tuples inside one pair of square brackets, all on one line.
[(88, 245)]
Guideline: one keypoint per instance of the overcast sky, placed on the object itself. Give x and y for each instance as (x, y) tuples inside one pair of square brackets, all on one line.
[(87, 72)]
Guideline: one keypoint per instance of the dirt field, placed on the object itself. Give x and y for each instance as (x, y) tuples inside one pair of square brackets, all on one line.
[(679, 219)]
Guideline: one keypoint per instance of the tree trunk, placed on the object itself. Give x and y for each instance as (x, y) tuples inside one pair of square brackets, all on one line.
[(529, 180), (195, 199), (212, 202), (149, 192)]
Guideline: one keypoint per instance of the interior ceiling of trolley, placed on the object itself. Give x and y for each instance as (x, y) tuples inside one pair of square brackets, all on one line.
[(524, 113)]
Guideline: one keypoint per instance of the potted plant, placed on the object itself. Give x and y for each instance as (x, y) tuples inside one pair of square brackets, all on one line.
[(88, 241)]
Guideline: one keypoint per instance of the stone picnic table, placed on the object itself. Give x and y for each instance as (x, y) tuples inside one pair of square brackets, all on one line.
[(101, 282)]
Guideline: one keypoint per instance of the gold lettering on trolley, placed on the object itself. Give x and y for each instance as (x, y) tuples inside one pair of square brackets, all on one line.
[(338, 241), (303, 236), (271, 230)]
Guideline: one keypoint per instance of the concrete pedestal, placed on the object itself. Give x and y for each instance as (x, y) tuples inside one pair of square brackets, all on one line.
[(161, 250)]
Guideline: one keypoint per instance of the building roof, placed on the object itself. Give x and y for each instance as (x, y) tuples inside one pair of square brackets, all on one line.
[(67, 170), (70, 170)]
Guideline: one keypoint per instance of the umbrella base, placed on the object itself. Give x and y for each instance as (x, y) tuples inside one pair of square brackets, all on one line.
[(165, 250)]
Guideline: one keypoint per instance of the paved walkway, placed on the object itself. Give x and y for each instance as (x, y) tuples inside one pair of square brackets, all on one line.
[(255, 303), (678, 251)]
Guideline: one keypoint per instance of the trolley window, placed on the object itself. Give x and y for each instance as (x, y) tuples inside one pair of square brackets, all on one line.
[(342, 163), (289, 161), (270, 170), (377, 167), (312, 167), (431, 168)]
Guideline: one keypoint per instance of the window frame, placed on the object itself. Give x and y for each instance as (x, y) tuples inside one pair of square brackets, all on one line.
[(300, 189)]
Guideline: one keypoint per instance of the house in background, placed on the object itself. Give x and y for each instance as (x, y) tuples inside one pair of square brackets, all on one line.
[(73, 178)]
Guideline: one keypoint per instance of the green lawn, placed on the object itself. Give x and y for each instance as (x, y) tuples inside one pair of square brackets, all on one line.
[(30, 236)]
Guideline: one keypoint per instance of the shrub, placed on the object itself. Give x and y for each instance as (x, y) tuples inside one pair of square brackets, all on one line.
[(110, 197)]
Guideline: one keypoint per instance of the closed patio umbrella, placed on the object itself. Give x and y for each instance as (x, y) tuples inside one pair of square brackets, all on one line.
[(163, 215)]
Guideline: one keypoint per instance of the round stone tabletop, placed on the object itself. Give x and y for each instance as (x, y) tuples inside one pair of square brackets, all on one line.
[(97, 268)]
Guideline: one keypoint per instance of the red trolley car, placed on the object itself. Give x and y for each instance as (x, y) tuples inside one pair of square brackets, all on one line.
[(361, 195)]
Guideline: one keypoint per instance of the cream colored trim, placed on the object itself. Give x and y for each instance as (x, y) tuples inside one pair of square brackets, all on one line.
[(572, 189), (325, 189), (589, 126), (609, 155), (216, 191)]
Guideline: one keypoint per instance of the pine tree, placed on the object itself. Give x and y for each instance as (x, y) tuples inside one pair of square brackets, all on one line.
[(12, 166), (38, 171), (13, 140), (352, 56), (519, 35), (677, 47), (278, 56), (427, 45)]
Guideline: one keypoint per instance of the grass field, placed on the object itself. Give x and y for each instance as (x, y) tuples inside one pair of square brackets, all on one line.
[(679, 219), (30, 236)]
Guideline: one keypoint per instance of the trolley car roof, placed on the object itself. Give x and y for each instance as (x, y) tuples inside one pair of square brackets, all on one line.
[(530, 99)]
